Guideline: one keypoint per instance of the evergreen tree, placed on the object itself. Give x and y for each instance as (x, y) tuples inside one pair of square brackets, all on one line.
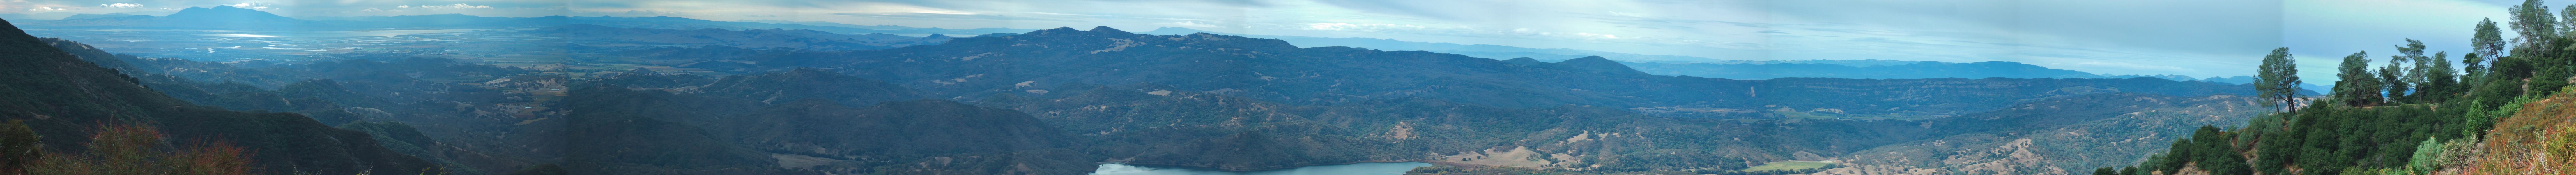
[(2425, 157), (2441, 81), (2355, 84), (2485, 45), (2278, 80), (2536, 26), (2393, 77), (2416, 76)]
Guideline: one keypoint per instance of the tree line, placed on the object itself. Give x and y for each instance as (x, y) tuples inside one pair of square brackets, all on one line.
[(2373, 114)]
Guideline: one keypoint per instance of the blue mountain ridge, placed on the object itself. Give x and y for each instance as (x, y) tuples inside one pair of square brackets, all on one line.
[(229, 18)]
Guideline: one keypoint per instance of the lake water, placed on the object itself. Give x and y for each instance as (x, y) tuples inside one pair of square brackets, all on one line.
[(1351, 169)]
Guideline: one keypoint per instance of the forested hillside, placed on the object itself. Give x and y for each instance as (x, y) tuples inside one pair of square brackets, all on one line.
[(64, 100), (2414, 115), (2061, 136)]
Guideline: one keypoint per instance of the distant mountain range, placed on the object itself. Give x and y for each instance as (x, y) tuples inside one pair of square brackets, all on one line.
[(774, 33), (1475, 50), (218, 18), (231, 18), (756, 38), (36, 17), (895, 27), (1728, 69), (108, 15)]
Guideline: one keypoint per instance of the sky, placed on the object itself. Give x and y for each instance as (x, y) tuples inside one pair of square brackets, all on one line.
[(2199, 38)]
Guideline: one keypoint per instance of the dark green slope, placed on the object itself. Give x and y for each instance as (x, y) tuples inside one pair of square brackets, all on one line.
[(619, 131), (645, 78), (62, 95), (803, 83), (799, 121), (925, 136), (1206, 129)]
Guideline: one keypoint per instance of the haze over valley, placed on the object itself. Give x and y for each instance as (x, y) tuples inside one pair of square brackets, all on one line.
[(498, 89)]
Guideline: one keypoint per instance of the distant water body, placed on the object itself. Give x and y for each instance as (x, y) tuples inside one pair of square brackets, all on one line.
[(1351, 169)]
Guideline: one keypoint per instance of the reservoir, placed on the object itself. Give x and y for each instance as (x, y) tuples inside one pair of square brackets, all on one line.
[(1397, 168)]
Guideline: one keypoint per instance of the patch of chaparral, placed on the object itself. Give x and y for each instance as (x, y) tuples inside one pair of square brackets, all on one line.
[(1519, 156)]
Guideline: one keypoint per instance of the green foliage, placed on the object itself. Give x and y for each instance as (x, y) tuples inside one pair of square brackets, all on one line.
[(2356, 84), (2485, 45), (2427, 157), (2397, 77), (2277, 80), (2532, 20), (2209, 148), (2355, 137), (2352, 137), (2441, 82)]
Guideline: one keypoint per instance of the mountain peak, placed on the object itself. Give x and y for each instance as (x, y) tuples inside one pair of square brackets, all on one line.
[(1057, 30), (1602, 65), (1177, 31), (225, 12), (1587, 59), (1106, 29), (1523, 61)]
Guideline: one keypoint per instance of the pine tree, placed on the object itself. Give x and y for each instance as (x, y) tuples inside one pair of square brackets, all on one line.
[(2485, 45), (2536, 26), (2417, 76), (2277, 79), (2356, 84), (2441, 81), (2393, 77)]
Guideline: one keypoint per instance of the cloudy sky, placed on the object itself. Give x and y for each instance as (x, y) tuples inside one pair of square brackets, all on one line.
[(2199, 38)]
